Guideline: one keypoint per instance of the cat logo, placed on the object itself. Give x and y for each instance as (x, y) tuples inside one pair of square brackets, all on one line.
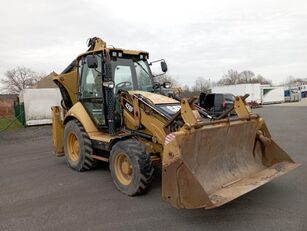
[(129, 107)]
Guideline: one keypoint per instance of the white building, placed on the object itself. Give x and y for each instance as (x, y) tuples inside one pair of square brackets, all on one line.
[(38, 103)]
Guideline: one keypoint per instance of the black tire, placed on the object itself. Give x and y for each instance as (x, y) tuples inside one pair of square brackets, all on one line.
[(84, 161), (141, 164)]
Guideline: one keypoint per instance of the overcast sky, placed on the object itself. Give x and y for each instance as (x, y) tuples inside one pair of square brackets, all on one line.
[(197, 38)]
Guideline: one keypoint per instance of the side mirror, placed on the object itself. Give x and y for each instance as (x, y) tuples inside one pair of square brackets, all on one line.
[(167, 85), (164, 66), (91, 61)]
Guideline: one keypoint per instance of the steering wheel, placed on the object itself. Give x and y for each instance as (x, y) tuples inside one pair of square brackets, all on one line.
[(122, 85)]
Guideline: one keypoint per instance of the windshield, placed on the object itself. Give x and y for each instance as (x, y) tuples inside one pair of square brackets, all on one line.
[(132, 75)]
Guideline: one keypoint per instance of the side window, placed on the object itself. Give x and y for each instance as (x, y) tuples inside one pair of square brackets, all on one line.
[(91, 85), (91, 91), (218, 102)]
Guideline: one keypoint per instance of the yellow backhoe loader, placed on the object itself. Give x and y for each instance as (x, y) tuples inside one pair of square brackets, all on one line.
[(111, 112)]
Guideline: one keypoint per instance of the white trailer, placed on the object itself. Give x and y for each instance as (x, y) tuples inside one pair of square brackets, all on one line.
[(262, 94), (253, 89), (271, 95), (38, 103)]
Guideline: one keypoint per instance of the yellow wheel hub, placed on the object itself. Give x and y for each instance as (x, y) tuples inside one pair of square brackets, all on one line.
[(73, 147), (123, 168)]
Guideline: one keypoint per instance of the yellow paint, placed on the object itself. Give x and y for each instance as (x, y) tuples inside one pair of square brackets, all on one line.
[(103, 136), (78, 112), (189, 116), (241, 108), (155, 98), (70, 81), (123, 168), (73, 146), (57, 131)]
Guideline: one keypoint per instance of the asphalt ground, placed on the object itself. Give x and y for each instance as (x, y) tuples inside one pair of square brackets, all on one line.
[(39, 192)]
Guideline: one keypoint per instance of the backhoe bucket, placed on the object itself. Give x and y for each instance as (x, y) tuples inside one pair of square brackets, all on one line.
[(214, 164)]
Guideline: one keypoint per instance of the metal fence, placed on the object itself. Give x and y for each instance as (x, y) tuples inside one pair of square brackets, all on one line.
[(20, 112)]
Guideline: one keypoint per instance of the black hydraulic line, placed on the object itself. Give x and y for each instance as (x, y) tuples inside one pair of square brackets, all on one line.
[(201, 110), (141, 134)]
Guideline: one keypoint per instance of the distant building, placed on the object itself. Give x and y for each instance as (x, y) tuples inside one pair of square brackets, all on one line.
[(46, 82)]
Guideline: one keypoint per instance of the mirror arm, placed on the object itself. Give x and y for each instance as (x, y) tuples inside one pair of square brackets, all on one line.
[(159, 60)]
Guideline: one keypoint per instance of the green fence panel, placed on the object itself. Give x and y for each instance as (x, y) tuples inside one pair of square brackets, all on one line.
[(20, 112)]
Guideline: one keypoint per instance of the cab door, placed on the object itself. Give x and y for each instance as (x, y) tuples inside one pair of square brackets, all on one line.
[(91, 91)]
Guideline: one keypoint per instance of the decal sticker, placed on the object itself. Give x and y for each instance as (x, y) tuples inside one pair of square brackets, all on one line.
[(129, 107), (169, 138), (174, 108)]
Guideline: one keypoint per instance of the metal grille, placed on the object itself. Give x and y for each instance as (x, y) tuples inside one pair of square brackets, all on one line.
[(109, 98)]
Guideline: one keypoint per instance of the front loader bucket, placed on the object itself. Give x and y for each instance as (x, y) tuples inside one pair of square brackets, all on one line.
[(212, 165)]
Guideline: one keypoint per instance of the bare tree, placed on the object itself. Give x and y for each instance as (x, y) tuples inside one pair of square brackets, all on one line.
[(232, 77), (188, 91), (20, 78), (260, 79), (202, 84), (246, 76), (292, 81)]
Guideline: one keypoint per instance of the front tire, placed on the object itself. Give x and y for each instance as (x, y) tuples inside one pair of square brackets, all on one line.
[(78, 147), (131, 167)]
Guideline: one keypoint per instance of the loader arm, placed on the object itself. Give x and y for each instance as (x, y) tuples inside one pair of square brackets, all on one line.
[(142, 115)]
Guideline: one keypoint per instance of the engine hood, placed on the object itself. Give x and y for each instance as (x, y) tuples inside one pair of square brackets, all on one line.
[(155, 98)]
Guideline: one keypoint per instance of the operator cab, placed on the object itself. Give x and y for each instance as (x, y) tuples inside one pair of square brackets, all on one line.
[(130, 71)]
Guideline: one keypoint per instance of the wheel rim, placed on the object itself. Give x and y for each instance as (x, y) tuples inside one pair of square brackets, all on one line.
[(123, 169), (73, 147)]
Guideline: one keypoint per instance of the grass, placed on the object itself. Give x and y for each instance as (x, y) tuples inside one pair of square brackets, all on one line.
[(9, 123)]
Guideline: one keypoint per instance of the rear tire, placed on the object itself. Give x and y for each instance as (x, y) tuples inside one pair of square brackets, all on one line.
[(78, 147), (131, 167)]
